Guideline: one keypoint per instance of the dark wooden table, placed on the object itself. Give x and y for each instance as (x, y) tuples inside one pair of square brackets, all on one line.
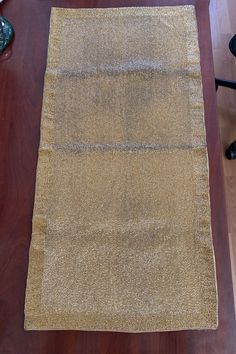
[(21, 88)]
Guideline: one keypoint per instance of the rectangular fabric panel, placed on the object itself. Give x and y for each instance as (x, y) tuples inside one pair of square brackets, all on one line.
[(121, 226)]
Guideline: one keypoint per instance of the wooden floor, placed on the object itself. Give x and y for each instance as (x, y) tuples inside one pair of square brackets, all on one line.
[(223, 26)]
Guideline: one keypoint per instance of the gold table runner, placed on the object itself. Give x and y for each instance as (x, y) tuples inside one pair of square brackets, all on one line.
[(121, 227)]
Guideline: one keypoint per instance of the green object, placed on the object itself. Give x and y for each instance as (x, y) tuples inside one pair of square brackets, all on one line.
[(6, 33)]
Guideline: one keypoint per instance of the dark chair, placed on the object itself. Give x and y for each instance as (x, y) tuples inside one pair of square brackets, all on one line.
[(230, 153)]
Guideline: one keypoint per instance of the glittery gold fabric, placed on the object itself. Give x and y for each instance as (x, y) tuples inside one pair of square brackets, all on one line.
[(121, 226)]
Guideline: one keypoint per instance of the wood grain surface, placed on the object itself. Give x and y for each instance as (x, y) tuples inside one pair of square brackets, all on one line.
[(223, 27), (21, 88)]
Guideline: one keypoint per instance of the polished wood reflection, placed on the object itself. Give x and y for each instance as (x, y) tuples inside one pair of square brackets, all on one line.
[(223, 27)]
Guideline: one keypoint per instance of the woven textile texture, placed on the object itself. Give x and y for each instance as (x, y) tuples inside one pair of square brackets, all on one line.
[(121, 235)]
